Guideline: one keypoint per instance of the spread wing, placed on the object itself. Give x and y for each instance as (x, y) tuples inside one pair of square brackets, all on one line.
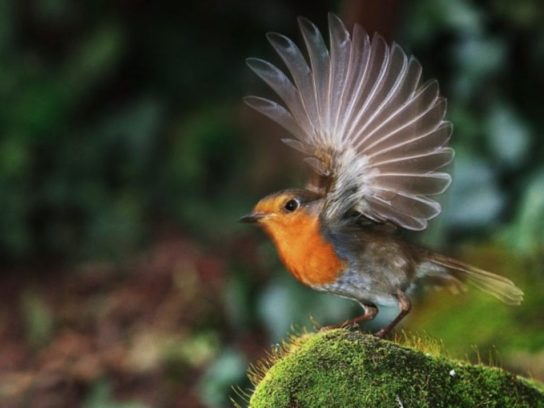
[(370, 128)]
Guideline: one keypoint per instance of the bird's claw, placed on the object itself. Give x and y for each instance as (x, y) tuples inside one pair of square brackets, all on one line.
[(381, 333), (348, 324)]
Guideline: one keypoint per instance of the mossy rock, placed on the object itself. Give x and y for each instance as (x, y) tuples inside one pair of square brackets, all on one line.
[(342, 368)]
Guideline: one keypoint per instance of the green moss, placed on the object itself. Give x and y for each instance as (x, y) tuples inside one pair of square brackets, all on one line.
[(340, 368)]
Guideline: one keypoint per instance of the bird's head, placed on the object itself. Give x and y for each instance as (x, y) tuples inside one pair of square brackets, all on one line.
[(280, 213)]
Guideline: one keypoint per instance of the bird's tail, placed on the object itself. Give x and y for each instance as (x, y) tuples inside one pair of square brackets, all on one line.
[(456, 272)]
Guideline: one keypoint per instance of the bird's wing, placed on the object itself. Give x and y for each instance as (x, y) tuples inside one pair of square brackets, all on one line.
[(372, 131)]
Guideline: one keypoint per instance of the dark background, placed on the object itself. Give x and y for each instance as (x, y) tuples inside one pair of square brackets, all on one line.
[(126, 157)]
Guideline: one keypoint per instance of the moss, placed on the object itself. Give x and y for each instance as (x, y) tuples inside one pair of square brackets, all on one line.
[(340, 368)]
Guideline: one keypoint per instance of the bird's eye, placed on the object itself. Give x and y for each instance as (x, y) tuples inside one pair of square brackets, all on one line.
[(291, 205)]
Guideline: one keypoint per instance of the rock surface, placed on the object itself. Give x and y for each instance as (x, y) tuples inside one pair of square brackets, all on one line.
[(342, 368)]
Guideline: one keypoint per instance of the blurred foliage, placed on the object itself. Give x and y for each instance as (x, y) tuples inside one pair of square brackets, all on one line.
[(122, 121), (101, 397), (118, 117), (38, 319), (229, 368), (476, 326), (487, 60), (112, 121)]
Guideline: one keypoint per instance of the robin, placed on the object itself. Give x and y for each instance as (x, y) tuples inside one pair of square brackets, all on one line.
[(375, 137)]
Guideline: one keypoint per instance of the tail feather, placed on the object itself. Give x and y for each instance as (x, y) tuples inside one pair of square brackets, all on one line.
[(498, 286)]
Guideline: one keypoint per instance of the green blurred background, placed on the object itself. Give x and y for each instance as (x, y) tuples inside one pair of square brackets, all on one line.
[(126, 157)]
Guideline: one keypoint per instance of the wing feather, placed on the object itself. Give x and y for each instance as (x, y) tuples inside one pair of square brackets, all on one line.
[(285, 89), (300, 71), (387, 92), (340, 53), (419, 143), (407, 118), (399, 95), (370, 128), (413, 183), (387, 212), (320, 64), (356, 79), (375, 81), (421, 163), (277, 113)]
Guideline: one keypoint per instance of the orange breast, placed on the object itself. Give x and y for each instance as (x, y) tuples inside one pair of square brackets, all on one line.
[(303, 250)]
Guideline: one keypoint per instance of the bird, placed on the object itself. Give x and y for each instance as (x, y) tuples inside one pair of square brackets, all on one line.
[(375, 137)]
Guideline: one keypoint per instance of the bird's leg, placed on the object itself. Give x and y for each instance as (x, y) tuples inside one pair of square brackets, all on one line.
[(405, 307), (369, 312)]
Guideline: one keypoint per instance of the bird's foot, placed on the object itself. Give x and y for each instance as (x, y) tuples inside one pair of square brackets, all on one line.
[(348, 324), (381, 333)]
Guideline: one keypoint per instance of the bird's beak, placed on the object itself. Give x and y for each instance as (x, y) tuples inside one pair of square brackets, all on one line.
[(252, 218)]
